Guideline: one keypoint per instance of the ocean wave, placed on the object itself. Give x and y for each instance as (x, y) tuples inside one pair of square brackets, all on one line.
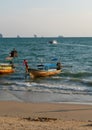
[(77, 74), (54, 84)]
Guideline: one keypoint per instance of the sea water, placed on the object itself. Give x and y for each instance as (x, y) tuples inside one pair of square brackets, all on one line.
[(73, 84)]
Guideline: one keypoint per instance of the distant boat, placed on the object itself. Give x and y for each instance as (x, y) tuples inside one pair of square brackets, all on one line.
[(53, 42), (60, 36), (35, 36), (1, 36), (18, 36), (44, 70)]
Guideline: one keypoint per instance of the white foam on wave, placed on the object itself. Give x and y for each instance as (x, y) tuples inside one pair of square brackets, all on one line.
[(46, 86)]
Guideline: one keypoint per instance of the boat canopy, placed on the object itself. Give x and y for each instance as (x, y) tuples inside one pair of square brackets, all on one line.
[(47, 66)]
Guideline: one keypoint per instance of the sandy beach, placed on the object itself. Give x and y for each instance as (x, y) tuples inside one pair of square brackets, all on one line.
[(47, 116)]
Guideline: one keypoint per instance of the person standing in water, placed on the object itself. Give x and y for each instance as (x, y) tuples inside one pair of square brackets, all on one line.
[(14, 53), (26, 65)]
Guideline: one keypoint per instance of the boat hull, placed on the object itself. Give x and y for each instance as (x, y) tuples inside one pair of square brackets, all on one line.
[(43, 73), (6, 69)]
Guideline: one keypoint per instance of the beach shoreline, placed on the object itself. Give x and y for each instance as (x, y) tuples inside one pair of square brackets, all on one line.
[(53, 116)]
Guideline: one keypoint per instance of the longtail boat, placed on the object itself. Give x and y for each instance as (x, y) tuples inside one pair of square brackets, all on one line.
[(6, 68), (43, 70), (35, 73)]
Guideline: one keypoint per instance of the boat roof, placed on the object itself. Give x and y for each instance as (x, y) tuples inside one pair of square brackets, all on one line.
[(50, 64)]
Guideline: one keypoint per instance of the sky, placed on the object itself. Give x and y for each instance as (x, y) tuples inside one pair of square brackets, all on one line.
[(46, 18)]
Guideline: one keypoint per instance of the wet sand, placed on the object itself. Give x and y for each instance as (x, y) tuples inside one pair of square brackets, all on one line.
[(47, 116)]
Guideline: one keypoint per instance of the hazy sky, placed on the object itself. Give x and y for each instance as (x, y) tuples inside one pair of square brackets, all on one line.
[(46, 17)]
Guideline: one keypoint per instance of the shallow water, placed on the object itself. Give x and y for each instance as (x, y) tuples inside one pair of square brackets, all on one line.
[(74, 84)]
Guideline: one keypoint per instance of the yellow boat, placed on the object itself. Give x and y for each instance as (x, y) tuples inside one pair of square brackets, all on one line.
[(6, 68), (34, 73), (43, 70)]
